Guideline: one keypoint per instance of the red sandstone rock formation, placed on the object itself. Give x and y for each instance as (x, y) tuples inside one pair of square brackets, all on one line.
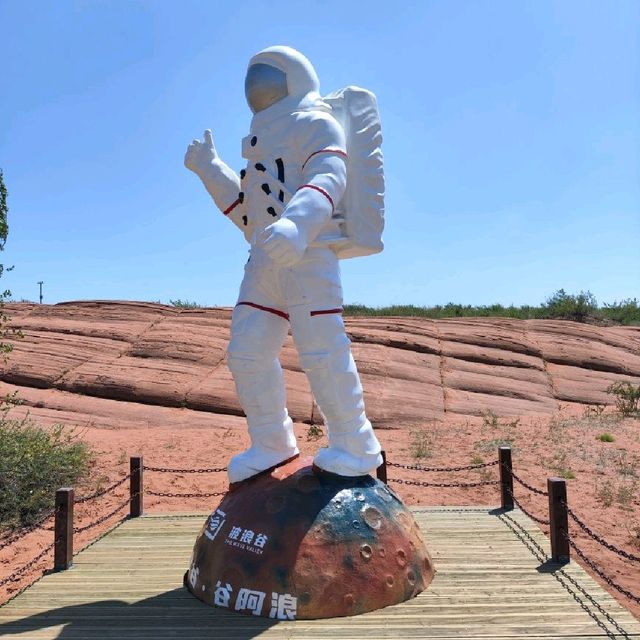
[(116, 364)]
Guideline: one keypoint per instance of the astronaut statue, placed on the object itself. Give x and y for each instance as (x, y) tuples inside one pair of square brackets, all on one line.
[(303, 201)]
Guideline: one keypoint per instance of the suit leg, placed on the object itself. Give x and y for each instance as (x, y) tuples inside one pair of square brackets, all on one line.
[(252, 356), (325, 356)]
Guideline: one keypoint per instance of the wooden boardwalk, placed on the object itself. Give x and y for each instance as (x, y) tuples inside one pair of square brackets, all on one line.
[(490, 583)]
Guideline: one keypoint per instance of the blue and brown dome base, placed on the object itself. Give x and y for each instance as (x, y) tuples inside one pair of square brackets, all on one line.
[(300, 543)]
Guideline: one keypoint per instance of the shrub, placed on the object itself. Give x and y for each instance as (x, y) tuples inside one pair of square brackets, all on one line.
[(623, 312), (314, 432), (593, 411), (565, 306), (422, 441), (490, 419), (627, 397), (561, 465), (626, 496), (582, 307), (186, 304), (34, 463), (605, 493), (606, 437)]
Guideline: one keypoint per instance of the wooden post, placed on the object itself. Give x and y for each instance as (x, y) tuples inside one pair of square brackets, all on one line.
[(136, 504), (559, 521), (506, 479), (381, 471), (63, 530)]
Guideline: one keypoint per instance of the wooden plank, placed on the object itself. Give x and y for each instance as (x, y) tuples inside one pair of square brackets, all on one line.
[(488, 585)]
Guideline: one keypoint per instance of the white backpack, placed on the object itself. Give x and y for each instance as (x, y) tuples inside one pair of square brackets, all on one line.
[(360, 212)]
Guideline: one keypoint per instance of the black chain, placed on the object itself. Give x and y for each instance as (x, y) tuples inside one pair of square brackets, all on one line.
[(18, 572), (591, 564), (103, 518), (527, 513), (417, 483), (97, 539), (528, 486), (592, 534), (416, 467), (167, 470), (99, 494), (15, 535), (163, 494), (562, 577)]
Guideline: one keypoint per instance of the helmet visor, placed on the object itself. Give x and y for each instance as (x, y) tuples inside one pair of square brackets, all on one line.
[(264, 86)]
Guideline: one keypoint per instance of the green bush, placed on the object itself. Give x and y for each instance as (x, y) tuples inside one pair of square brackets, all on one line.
[(186, 304), (34, 463), (565, 306), (582, 307), (623, 312), (627, 397)]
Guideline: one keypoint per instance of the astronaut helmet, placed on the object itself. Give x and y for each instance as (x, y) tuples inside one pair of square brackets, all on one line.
[(264, 86), (278, 75)]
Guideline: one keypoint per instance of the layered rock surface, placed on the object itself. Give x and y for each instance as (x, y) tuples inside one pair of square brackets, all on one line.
[(119, 364)]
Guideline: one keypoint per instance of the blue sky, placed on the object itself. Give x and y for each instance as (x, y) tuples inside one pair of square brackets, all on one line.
[(511, 141)]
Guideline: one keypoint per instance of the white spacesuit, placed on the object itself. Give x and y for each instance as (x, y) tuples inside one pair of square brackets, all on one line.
[(283, 202)]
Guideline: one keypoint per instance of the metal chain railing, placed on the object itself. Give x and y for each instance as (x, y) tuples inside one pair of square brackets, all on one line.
[(596, 569), (168, 470), (419, 483), (15, 535), (528, 486), (105, 517), (592, 534), (103, 492), (98, 494), (564, 578), (169, 494), (24, 568), (416, 467), (164, 494), (18, 572), (505, 471), (527, 512)]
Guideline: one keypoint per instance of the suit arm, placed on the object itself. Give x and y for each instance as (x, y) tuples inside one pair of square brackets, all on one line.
[(324, 178), (223, 185)]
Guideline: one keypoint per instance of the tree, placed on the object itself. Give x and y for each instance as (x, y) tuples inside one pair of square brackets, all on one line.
[(4, 210), (5, 347)]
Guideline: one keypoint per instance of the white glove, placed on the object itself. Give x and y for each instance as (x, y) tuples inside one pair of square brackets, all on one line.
[(283, 242), (201, 156)]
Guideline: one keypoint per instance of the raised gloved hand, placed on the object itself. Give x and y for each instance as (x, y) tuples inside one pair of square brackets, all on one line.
[(283, 242), (201, 156)]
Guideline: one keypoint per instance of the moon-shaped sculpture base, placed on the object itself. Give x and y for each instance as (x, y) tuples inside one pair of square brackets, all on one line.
[(298, 543)]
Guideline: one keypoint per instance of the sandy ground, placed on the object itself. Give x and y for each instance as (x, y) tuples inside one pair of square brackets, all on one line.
[(603, 477)]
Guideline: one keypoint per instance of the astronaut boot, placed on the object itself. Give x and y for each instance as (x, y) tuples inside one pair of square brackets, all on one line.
[(353, 449), (272, 443)]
